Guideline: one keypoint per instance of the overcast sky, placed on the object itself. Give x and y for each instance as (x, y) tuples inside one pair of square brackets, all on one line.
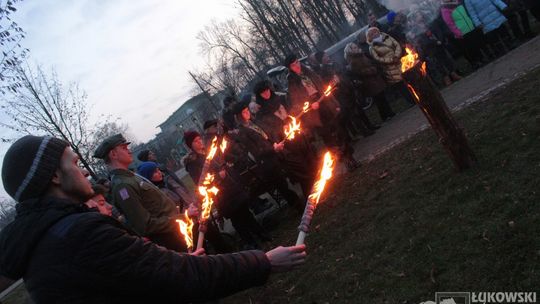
[(130, 56)]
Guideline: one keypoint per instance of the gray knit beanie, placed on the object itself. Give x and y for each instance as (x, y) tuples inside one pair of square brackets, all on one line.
[(30, 164)]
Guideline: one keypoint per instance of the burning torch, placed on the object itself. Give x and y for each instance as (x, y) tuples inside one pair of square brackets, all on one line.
[(186, 229), (433, 106), (307, 104), (208, 191), (206, 187), (291, 129), (315, 196)]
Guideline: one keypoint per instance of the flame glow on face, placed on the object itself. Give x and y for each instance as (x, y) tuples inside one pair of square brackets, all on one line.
[(186, 229), (213, 149), (291, 129), (413, 91), (223, 145), (306, 107), (326, 174), (208, 191), (408, 61)]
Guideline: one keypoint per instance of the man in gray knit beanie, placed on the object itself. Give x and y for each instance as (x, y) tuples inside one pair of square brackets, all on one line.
[(29, 165)]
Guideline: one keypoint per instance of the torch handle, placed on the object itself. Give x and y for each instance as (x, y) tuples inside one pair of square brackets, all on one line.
[(200, 240), (301, 238)]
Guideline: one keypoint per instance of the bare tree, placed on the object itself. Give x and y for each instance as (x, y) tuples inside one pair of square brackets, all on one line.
[(11, 35), (238, 53), (43, 105), (7, 212)]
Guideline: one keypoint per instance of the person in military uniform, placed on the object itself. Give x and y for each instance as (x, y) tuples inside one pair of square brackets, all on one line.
[(147, 210)]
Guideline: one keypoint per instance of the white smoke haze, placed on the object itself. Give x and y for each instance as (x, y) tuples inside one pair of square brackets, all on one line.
[(430, 10)]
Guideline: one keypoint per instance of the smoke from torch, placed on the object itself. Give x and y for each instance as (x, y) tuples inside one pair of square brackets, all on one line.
[(315, 196)]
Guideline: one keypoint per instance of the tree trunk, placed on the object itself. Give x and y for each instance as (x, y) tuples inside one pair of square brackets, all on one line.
[(432, 104)]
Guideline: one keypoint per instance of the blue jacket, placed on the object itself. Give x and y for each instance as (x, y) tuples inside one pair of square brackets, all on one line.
[(486, 13)]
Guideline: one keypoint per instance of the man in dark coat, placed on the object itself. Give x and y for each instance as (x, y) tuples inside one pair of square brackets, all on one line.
[(68, 255), (373, 22), (373, 84), (268, 170), (298, 156), (396, 27), (324, 117), (306, 86)]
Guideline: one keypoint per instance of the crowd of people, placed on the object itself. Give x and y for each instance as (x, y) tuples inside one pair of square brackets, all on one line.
[(73, 241), (479, 30)]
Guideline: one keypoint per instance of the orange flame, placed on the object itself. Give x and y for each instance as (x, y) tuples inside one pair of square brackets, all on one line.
[(223, 145), (326, 174), (306, 107), (413, 91), (423, 69), (291, 129), (208, 191), (186, 229), (408, 61), (328, 90), (213, 149)]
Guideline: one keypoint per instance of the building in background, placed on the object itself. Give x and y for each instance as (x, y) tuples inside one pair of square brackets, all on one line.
[(168, 144)]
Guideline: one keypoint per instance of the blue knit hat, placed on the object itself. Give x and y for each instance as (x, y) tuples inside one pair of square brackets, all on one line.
[(147, 169), (391, 16)]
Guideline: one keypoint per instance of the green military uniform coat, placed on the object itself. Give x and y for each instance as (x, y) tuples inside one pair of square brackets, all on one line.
[(148, 211)]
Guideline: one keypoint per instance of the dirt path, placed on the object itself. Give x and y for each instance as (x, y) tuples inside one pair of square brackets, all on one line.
[(459, 95)]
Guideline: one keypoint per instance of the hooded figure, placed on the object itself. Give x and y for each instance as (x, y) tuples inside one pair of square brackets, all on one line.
[(387, 52)]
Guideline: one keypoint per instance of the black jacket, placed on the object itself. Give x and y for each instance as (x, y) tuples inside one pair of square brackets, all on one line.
[(69, 255), (194, 162), (271, 124)]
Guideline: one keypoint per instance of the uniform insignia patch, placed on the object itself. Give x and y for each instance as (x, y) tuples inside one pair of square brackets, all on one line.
[(123, 194)]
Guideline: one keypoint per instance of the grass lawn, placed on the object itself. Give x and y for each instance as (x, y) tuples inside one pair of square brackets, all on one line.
[(407, 225)]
